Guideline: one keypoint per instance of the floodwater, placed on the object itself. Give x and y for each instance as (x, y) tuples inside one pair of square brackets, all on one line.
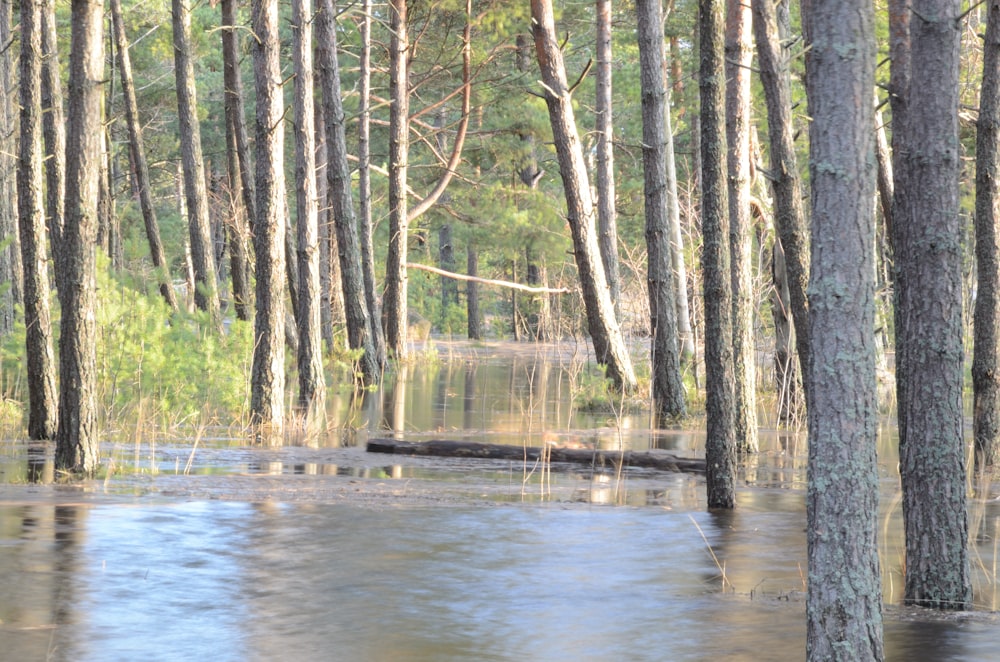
[(319, 550)]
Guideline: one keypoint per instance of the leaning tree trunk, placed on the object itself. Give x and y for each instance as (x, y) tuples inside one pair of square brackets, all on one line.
[(929, 353), (720, 441), (844, 601), (739, 56), (789, 217), (985, 364), (312, 387), (267, 380), (206, 295), (605, 332), (607, 228), (77, 445), (31, 207), (359, 323), (667, 387), (138, 154)]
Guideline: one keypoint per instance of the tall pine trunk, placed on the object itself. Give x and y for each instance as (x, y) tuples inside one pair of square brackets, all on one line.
[(607, 225), (11, 272)]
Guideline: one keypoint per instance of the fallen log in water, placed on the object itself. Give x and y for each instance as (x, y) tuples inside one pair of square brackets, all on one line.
[(658, 460)]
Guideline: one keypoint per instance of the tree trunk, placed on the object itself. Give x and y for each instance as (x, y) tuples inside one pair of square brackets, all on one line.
[(475, 330), (739, 56), (312, 387), (42, 393), (324, 219), (206, 296), (11, 271), (985, 364), (668, 388), (789, 217), (359, 323), (139, 166), (720, 404), (844, 601), (929, 353), (607, 229), (77, 443), (268, 371), (53, 131), (395, 270), (605, 333)]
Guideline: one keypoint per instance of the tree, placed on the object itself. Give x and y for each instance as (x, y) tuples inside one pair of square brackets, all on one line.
[(929, 355), (53, 130), (77, 445), (985, 363), (206, 296), (607, 229), (310, 355), (359, 322), (739, 55), (31, 209), (720, 441), (844, 600), (267, 380), (138, 155), (605, 332), (11, 272), (668, 388)]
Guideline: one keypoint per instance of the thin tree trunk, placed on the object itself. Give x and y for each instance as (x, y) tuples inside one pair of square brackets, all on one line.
[(605, 332), (844, 601), (11, 270), (324, 220), (267, 383), (929, 353), (720, 442), (312, 387), (475, 331), (359, 324), (206, 295), (53, 131), (42, 394), (139, 165), (234, 107), (607, 228), (668, 388), (739, 55), (985, 364), (77, 447)]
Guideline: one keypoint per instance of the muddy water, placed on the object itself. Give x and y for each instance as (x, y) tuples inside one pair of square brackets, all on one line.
[(322, 551)]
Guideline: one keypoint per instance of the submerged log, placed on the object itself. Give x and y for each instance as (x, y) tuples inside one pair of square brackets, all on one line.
[(658, 460)]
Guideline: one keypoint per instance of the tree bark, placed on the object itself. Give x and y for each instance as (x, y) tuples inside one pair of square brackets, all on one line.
[(607, 227), (206, 296), (739, 55), (312, 387), (268, 370), (42, 394), (11, 271), (77, 444), (844, 600), (929, 353), (359, 322), (475, 330), (609, 345), (720, 404), (985, 363), (138, 154), (789, 217), (668, 387), (53, 132)]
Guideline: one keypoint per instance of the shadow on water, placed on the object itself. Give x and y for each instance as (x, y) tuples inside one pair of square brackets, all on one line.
[(320, 550)]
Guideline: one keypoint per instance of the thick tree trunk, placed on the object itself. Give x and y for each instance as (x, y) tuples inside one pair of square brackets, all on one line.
[(605, 332), (739, 55), (844, 601), (77, 443), (720, 404), (985, 363), (138, 154), (42, 394), (668, 388), (312, 387), (359, 323), (607, 226), (267, 385), (206, 296), (929, 353), (11, 272), (789, 217)]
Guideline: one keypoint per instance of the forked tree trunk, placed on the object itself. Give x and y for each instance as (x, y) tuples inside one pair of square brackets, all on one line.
[(605, 332), (77, 443)]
